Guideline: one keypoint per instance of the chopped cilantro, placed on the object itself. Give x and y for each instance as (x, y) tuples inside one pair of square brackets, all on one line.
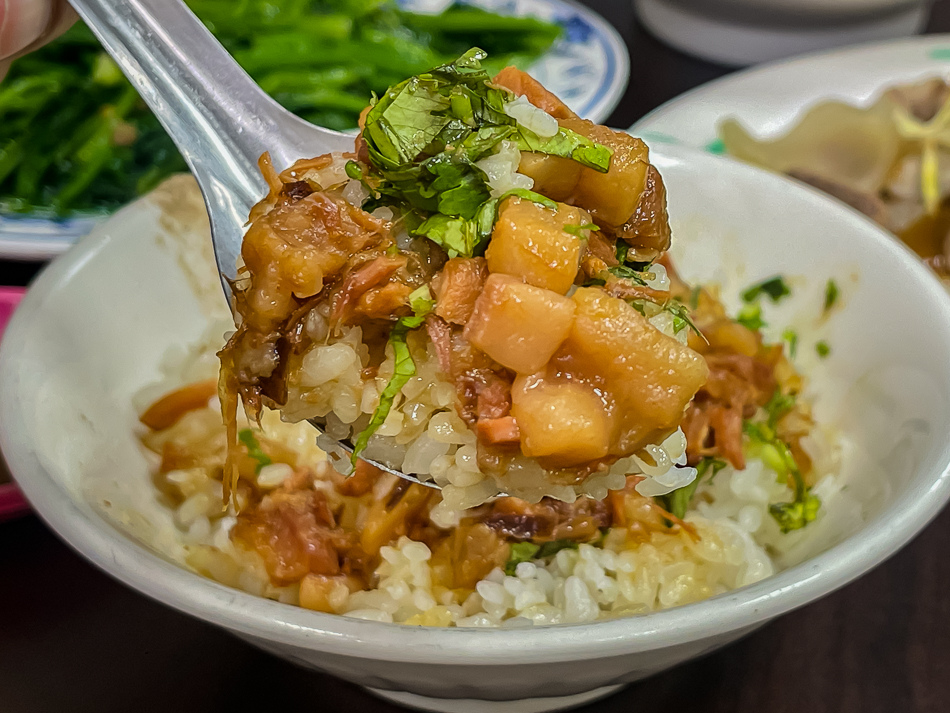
[(421, 301), (677, 502), (694, 297), (831, 295), (776, 454), (549, 549), (679, 312), (527, 551), (461, 236), (681, 317), (796, 514), (626, 273), (822, 349), (750, 316), (405, 368), (249, 440), (520, 552), (575, 230), (774, 288), (791, 337), (423, 139), (779, 405)]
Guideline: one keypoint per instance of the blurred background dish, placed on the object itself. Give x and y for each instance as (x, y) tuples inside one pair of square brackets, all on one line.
[(742, 32), (865, 125), (12, 503), (99, 147)]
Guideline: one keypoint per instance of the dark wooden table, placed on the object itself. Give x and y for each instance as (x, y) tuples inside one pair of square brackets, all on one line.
[(73, 640)]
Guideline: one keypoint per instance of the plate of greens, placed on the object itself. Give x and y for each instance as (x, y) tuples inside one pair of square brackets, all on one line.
[(76, 141)]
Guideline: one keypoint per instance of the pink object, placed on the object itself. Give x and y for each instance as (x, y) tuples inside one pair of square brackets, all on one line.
[(12, 502)]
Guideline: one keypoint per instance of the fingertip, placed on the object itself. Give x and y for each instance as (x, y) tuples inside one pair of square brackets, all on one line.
[(22, 22)]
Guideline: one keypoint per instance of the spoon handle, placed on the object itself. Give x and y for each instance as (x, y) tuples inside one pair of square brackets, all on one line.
[(209, 106), (218, 117)]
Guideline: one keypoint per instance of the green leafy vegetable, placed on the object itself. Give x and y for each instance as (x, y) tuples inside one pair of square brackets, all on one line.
[(527, 551), (822, 348), (247, 438), (622, 249), (750, 316), (320, 59), (549, 549), (677, 502), (774, 288), (831, 295), (791, 337)]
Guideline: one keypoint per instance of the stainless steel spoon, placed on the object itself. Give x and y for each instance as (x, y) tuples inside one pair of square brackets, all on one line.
[(218, 117)]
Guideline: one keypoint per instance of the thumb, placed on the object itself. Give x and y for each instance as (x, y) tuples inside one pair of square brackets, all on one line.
[(27, 24), (22, 22)]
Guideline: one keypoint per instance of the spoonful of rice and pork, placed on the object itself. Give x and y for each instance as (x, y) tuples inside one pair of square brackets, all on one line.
[(474, 293)]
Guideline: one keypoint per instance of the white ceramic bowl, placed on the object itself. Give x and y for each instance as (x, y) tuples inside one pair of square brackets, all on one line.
[(95, 325), (741, 32)]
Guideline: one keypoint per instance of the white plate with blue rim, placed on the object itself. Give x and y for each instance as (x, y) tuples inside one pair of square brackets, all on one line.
[(588, 68), (770, 99)]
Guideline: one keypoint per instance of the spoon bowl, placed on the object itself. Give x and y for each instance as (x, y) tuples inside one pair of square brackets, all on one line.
[(220, 120)]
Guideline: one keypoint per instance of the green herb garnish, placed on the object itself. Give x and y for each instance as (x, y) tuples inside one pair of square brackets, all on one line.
[(750, 316), (694, 297), (249, 440), (831, 295), (622, 250), (424, 137), (575, 230), (626, 273), (774, 288), (775, 453), (527, 551), (460, 236), (681, 317), (677, 502), (822, 348), (422, 304), (796, 514), (779, 405), (791, 337), (404, 369)]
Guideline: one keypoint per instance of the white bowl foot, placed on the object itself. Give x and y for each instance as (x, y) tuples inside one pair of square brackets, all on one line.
[(470, 705)]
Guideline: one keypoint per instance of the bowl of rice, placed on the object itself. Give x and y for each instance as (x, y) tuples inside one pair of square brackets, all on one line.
[(112, 426)]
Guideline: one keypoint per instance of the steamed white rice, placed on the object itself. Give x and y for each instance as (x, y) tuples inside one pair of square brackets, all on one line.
[(739, 542)]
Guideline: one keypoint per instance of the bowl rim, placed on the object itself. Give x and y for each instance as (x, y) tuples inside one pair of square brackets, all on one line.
[(737, 611)]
